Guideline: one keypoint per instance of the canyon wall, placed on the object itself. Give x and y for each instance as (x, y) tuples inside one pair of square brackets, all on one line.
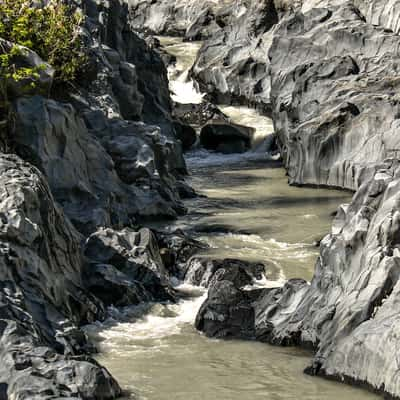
[(333, 67)]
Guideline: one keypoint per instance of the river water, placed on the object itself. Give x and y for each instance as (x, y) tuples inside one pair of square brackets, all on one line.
[(250, 213)]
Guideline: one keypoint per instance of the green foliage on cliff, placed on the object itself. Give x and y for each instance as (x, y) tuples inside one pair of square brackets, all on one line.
[(51, 31)]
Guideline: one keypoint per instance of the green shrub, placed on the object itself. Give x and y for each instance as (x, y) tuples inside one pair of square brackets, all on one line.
[(51, 31)]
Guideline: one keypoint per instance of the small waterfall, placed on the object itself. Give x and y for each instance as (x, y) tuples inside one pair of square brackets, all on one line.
[(185, 90)]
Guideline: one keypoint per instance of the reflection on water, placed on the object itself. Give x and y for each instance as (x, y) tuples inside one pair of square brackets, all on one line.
[(249, 213)]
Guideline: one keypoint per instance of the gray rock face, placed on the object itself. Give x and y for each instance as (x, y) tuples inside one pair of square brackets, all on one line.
[(126, 78), (42, 296), (121, 174), (232, 66), (349, 311), (227, 311), (192, 19), (334, 79), (333, 68), (136, 256)]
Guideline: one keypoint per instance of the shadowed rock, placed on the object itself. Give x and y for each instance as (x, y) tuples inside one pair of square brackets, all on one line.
[(42, 297), (226, 138)]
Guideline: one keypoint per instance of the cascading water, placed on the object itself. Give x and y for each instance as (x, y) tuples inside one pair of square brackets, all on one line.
[(249, 213)]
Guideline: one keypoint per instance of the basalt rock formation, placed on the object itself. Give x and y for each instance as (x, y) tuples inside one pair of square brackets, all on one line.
[(90, 163), (43, 299), (191, 19), (334, 76), (232, 65), (334, 79), (94, 162)]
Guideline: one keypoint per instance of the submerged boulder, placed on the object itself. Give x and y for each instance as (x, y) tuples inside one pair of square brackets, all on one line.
[(226, 138)]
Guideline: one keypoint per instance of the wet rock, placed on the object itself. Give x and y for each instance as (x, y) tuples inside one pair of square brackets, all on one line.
[(198, 115), (227, 312), (191, 19), (114, 287), (201, 271), (43, 299), (226, 138), (136, 257), (176, 249)]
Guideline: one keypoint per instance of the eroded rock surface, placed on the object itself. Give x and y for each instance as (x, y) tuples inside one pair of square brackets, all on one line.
[(334, 67), (42, 298), (334, 79), (232, 66), (191, 19)]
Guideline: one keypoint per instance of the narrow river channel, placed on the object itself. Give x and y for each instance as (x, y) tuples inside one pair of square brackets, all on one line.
[(248, 212)]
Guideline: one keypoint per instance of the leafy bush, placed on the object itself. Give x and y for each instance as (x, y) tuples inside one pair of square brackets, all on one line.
[(51, 31)]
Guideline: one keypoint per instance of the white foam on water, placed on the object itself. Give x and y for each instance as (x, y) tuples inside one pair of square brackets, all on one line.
[(185, 90), (139, 327)]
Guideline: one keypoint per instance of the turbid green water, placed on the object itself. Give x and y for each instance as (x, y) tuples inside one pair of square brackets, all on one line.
[(250, 213)]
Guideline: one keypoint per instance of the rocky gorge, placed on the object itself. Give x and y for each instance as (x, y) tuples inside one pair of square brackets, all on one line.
[(85, 174)]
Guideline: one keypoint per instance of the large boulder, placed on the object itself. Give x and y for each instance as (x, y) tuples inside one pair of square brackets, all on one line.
[(227, 312), (226, 138), (136, 256)]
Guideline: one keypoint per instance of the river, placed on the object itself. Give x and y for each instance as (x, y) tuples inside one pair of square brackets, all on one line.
[(248, 212)]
